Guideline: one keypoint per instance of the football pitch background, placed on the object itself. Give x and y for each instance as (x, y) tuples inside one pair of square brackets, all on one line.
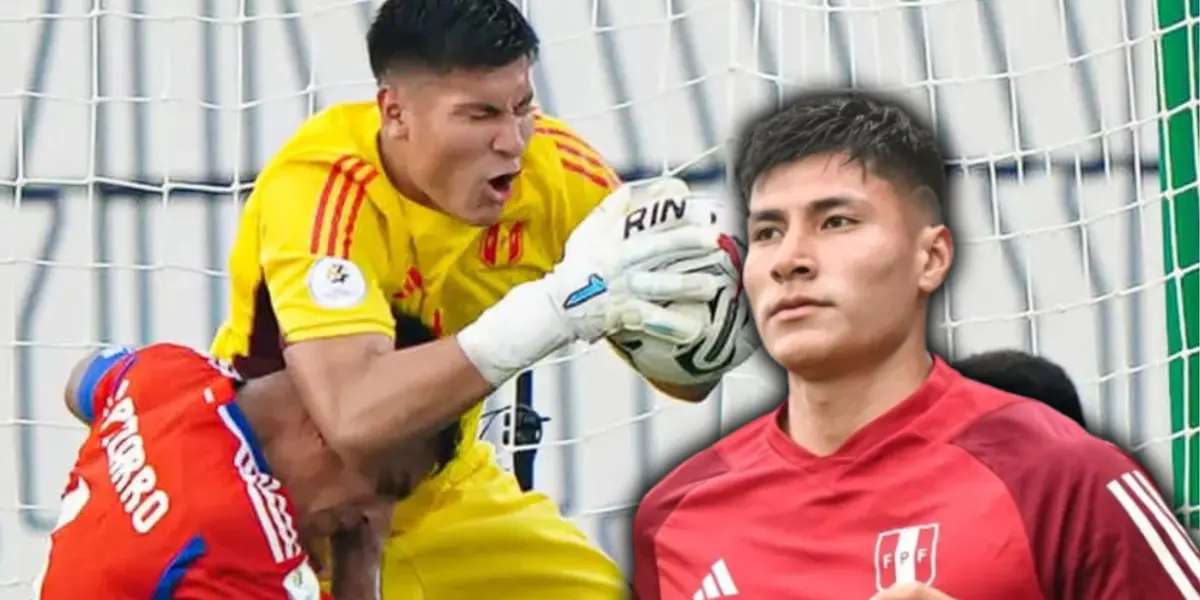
[(130, 131)]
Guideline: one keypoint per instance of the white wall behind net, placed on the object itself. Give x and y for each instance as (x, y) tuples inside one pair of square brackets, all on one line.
[(128, 129)]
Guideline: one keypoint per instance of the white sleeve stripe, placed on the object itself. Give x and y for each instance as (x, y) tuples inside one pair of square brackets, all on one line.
[(1183, 545), (1166, 510), (265, 523), (270, 507), (272, 501), (262, 510), (1146, 528), (279, 513)]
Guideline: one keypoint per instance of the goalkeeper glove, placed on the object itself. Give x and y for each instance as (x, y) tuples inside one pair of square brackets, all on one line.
[(600, 287)]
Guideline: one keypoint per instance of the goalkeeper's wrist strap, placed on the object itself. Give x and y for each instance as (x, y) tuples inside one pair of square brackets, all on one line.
[(514, 334)]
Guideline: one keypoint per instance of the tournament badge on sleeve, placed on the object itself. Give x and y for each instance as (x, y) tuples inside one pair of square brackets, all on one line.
[(336, 283), (302, 583)]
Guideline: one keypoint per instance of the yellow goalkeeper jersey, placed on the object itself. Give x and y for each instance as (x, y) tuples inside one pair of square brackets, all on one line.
[(323, 200)]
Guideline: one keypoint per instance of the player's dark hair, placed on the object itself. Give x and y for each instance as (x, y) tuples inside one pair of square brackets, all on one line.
[(410, 331), (1025, 375), (444, 35), (883, 136)]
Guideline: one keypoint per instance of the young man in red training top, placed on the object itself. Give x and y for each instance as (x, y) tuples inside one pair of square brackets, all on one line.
[(198, 485), (886, 474)]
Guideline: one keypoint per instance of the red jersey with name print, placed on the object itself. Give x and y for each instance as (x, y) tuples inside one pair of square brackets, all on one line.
[(170, 496), (978, 493)]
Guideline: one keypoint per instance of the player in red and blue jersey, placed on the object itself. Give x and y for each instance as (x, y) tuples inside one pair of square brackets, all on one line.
[(195, 484)]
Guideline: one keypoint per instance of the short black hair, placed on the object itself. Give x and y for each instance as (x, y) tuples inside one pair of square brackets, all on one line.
[(881, 134), (1026, 375), (410, 331), (445, 35)]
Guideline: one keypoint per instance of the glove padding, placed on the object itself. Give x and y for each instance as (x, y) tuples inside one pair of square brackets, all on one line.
[(728, 336), (602, 285)]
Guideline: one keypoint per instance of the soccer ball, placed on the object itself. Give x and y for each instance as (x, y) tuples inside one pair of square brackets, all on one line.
[(729, 336)]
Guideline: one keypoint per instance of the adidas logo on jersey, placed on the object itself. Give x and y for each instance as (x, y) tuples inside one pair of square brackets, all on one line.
[(718, 583)]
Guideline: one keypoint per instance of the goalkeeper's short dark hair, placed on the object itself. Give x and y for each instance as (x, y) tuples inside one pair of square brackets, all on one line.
[(882, 135), (445, 35), (1026, 375)]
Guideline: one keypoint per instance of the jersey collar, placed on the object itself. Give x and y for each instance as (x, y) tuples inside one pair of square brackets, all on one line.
[(897, 420)]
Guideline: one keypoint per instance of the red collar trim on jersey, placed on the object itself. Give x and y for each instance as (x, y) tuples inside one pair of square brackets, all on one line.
[(940, 378)]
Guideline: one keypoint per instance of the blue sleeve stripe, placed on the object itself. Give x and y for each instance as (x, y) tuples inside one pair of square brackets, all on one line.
[(177, 568), (100, 365)]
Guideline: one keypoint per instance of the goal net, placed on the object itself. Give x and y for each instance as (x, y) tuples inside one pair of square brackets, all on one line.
[(130, 130)]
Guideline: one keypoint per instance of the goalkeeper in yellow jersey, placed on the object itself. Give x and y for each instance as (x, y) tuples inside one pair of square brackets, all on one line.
[(451, 198)]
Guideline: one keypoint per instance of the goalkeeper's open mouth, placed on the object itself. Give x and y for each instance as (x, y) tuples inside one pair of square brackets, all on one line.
[(501, 186)]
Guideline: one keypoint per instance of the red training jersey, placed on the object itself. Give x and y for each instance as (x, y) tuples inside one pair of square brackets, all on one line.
[(976, 492), (170, 496)]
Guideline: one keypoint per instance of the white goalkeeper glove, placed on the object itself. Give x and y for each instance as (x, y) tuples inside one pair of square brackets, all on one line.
[(600, 287)]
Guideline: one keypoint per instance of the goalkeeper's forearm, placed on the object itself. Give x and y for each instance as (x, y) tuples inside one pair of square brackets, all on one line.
[(412, 393)]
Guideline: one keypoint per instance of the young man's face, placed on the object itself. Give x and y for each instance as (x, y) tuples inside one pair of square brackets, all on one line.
[(839, 264), (465, 133), (341, 496), (333, 495)]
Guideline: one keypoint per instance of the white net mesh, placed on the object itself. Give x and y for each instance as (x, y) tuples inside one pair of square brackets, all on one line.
[(129, 129)]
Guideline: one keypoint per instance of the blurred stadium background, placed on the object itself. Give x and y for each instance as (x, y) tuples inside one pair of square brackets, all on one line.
[(131, 130)]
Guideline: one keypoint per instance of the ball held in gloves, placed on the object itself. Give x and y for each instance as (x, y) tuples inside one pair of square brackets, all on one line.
[(728, 336)]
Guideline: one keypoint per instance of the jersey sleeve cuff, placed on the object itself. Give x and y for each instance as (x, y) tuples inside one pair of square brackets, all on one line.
[(101, 364), (322, 331)]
